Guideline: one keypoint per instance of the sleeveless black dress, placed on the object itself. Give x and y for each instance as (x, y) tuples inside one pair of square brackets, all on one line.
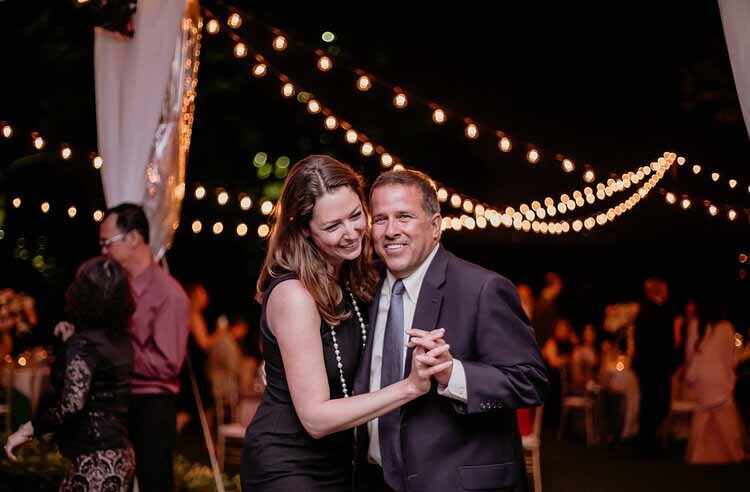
[(278, 454)]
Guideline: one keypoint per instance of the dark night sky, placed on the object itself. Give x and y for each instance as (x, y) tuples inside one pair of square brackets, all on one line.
[(614, 85)]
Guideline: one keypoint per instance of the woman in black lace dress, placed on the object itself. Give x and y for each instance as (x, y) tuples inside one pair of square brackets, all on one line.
[(314, 286), (87, 403)]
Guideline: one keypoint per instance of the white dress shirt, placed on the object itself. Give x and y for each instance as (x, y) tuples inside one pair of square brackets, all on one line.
[(412, 285)]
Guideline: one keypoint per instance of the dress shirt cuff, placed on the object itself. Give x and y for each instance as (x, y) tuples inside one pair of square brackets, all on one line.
[(456, 388)]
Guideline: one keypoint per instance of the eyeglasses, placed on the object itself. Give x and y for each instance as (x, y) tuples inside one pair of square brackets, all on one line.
[(105, 243)]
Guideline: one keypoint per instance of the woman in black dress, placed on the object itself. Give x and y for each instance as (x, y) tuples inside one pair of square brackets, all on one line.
[(87, 403), (315, 284)]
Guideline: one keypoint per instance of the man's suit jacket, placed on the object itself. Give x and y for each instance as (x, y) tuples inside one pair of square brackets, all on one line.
[(447, 444)]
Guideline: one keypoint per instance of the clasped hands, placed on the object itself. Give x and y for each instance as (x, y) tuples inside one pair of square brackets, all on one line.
[(432, 358)]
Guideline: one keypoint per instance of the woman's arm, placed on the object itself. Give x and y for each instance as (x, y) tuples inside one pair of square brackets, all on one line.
[(293, 317)]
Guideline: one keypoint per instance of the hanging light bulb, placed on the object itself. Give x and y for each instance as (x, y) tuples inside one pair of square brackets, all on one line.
[(98, 215), (532, 156), (589, 176), (732, 214), (213, 26), (242, 230), (16, 202), (732, 183), (471, 131), (218, 228), (438, 116), (245, 202), (279, 43), (98, 162), (7, 131), (234, 21), (66, 152), (325, 63), (260, 70), (38, 141), (240, 50), (696, 168), (313, 106), (685, 203), (364, 83), (263, 230), (266, 207), (400, 100), (367, 149), (456, 200), (200, 192), (72, 212), (331, 123), (222, 198), (196, 226), (671, 198), (713, 210), (442, 195), (568, 166), (386, 160), (351, 136), (504, 144), (45, 207), (715, 177), (287, 90)]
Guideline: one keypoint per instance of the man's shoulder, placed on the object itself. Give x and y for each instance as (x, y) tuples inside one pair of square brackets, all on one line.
[(167, 284), (476, 274)]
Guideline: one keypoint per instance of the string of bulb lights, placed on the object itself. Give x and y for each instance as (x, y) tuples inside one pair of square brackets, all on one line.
[(39, 143), (527, 223), (365, 81)]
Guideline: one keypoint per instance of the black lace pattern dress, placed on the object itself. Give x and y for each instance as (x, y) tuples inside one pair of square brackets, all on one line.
[(86, 408)]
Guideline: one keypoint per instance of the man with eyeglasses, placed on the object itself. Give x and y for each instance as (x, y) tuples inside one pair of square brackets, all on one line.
[(159, 332)]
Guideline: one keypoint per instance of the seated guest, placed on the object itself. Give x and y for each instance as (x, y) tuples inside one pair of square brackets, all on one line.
[(585, 360)]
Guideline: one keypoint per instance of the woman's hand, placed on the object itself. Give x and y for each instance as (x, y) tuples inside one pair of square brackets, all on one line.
[(19, 437), (426, 364)]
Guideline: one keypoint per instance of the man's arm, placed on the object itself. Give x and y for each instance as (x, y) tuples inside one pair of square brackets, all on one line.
[(509, 371)]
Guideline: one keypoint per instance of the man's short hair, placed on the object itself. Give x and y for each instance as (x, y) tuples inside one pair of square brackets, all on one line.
[(131, 217), (417, 179)]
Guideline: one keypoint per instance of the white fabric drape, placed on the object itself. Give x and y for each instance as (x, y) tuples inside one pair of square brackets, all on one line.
[(735, 17), (144, 89)]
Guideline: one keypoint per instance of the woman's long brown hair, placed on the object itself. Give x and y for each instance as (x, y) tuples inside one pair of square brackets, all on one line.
[(290, 249)]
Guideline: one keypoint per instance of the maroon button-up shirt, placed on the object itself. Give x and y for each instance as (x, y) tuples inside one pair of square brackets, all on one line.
[(159, 331)]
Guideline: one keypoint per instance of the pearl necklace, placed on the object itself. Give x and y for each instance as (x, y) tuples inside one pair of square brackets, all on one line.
[(363, 326)]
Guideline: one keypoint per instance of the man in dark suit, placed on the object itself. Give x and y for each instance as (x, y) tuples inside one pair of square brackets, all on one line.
[(462, 435)]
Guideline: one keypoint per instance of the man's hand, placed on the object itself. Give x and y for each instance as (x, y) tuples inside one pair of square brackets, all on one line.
[(437, 352)]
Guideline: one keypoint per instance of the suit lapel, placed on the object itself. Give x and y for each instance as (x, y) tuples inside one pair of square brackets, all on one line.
[(430, 299)]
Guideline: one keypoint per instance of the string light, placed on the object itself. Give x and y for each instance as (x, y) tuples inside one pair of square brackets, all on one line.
[(234, 21), (589, 176), (504, 144), (331, 123), (200, 193), (197, 226), (367, 149), (260, 70), (240, 50), (72, 212), (7, 131), (287, 90), (98, 162), (732, 183), (218, 228), (213, 27), (245, 202), (386, 160), (732, 214), (438, 116), (45, 207), (16, 202), (38, 141), (400, 100), (671, 198), (266, 207), (66, 153), (364, 83), (241, 230), (313, 106), (532, 156), (351, 136), (263, 231), (568, 166), (713, 210), (696, 168), (715, 177), (279, 43), (471, 131), (222, 198), (325, 64), (98, 215)]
